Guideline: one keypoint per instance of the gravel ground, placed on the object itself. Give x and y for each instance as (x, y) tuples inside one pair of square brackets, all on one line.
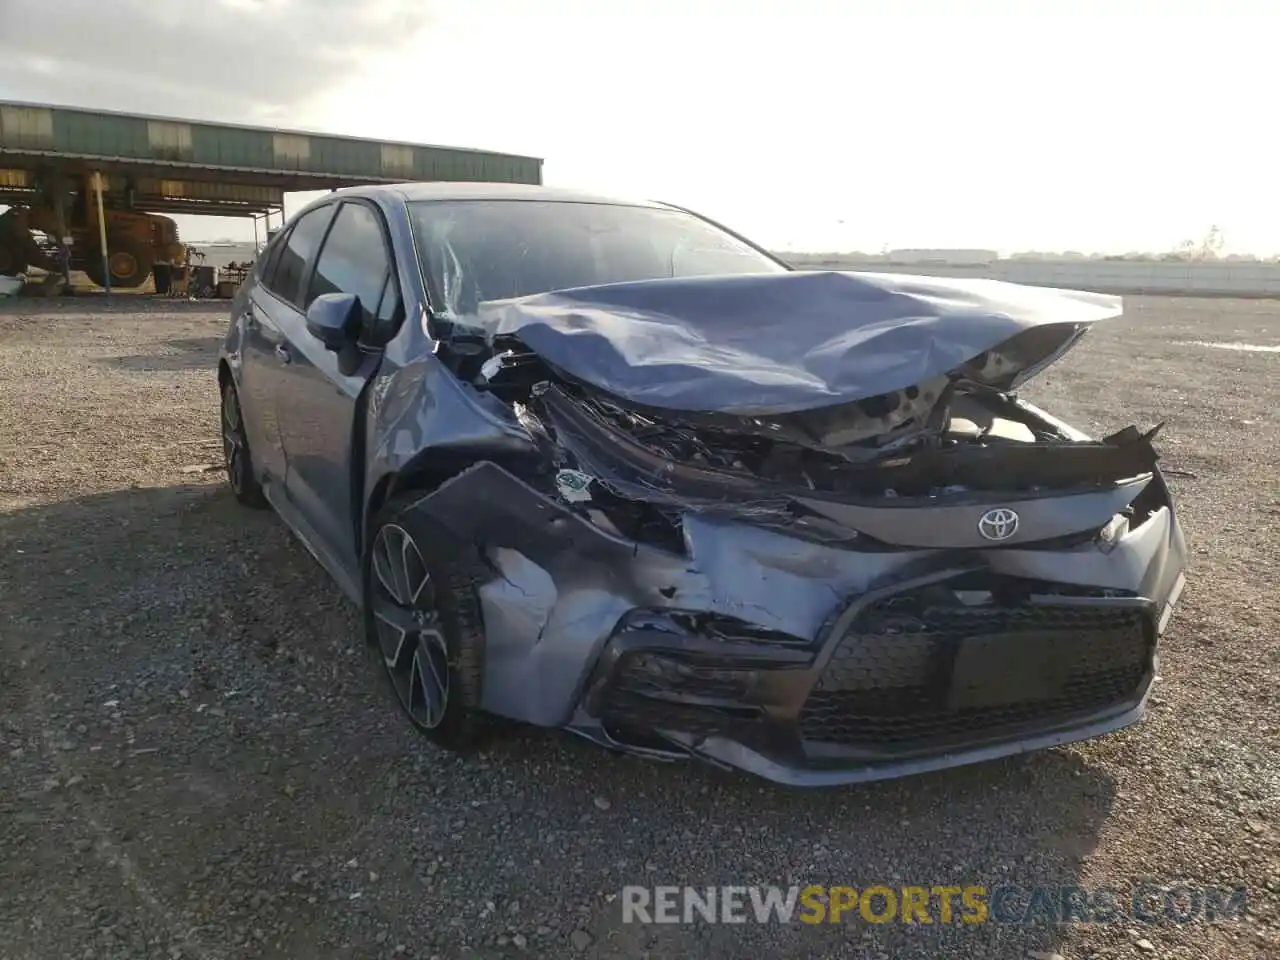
[(197, 758)]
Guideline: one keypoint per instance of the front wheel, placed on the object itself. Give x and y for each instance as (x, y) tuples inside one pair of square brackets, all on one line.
[(422, 618)]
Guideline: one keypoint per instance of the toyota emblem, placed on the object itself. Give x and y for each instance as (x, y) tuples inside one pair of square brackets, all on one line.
[(998, 524)]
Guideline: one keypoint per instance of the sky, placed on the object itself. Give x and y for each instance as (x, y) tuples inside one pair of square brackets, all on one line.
[(1114, 126)]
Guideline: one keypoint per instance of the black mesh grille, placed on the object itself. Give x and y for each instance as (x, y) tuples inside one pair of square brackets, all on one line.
[(649, 689), (652, 674), (923, 668)]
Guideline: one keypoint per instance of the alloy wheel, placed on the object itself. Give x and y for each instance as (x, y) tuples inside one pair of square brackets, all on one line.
[(413, 648), (233, 445)]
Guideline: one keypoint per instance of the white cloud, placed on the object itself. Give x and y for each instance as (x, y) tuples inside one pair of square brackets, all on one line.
[(1109, 124), (230, 60)]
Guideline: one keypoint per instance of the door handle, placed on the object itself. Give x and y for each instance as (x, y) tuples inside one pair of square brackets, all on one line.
[(283, 354)]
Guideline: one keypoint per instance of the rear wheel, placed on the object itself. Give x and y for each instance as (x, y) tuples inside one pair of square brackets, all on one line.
[(422, 618), (235, 451), (129, 261)]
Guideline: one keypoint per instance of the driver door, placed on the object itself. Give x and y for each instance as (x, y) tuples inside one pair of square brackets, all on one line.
[(319, 395)]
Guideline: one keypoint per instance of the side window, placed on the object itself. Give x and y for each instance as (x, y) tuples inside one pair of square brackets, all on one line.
[(299, 249), (271, 256), (388, 308), (354, 260)]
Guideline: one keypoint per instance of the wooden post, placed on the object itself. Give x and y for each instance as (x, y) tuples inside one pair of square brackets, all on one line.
[(102, 233)]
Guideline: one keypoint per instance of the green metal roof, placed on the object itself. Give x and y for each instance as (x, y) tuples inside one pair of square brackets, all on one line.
[(126, 146)]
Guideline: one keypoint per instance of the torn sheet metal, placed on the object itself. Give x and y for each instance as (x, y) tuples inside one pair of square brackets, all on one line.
[(574, 486), (564, 589), (780, 343)]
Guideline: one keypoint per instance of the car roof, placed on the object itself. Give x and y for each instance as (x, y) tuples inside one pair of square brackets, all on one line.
[(436, 190)]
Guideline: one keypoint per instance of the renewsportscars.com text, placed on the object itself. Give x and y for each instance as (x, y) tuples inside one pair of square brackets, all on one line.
[(942, 904)]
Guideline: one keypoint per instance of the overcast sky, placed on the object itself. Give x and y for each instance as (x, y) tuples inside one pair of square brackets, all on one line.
[(809, 124)]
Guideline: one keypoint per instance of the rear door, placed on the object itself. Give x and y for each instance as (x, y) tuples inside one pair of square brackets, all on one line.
[(271, 304), (258, 370), (317, 403)]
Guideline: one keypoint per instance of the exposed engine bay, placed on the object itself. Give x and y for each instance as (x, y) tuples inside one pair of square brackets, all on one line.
[(819, 449), (635, 470), (774, 423)]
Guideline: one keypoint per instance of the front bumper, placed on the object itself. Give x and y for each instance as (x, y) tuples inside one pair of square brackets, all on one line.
[(803, 662), (903, 680)]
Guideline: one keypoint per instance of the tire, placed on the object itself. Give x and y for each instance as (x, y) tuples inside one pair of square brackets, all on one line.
[(236, 457), (130, 263), (13, 260), (423, 623)]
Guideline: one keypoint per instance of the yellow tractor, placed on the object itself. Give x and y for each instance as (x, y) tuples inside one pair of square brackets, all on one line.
[(136, 241)]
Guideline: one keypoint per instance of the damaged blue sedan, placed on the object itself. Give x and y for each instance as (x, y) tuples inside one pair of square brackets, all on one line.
[(610, 467)]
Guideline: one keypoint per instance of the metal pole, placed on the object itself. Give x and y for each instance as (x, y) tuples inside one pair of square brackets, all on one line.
[(255, 234), (60, 215), (102, 233)]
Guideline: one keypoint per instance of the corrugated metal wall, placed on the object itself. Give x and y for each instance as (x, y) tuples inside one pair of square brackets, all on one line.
[(26, 128), (209, 191), (361, 157), (85, 133), (231, 147), (100, 135)]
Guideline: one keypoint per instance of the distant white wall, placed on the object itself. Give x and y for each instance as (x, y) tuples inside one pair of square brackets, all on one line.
[(1103, 276), (958, 257), (1116, 276)]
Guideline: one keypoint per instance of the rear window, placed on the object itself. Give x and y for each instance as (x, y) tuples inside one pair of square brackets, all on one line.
[(299, 250), (271, 256)]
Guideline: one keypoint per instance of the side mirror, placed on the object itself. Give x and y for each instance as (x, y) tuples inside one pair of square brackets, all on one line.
[(334, 319)]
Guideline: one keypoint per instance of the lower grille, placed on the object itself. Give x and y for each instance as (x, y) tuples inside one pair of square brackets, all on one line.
[(917, 669), (649, 689)]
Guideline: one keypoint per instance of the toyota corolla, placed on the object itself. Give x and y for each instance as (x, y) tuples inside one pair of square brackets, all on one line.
[(610, 467)]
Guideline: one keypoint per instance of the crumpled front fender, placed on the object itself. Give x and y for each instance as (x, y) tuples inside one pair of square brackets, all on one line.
[(561, 584)]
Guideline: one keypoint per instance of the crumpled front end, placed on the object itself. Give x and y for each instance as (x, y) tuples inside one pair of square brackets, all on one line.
[(809, 652), (929, 577)]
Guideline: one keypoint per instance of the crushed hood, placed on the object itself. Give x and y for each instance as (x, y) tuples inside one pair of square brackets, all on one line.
[(764, 344)]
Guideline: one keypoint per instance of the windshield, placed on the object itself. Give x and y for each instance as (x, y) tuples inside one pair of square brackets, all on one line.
[(477, 250)]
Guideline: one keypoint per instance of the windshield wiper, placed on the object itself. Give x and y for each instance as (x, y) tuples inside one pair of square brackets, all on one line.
[(461, 338)]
